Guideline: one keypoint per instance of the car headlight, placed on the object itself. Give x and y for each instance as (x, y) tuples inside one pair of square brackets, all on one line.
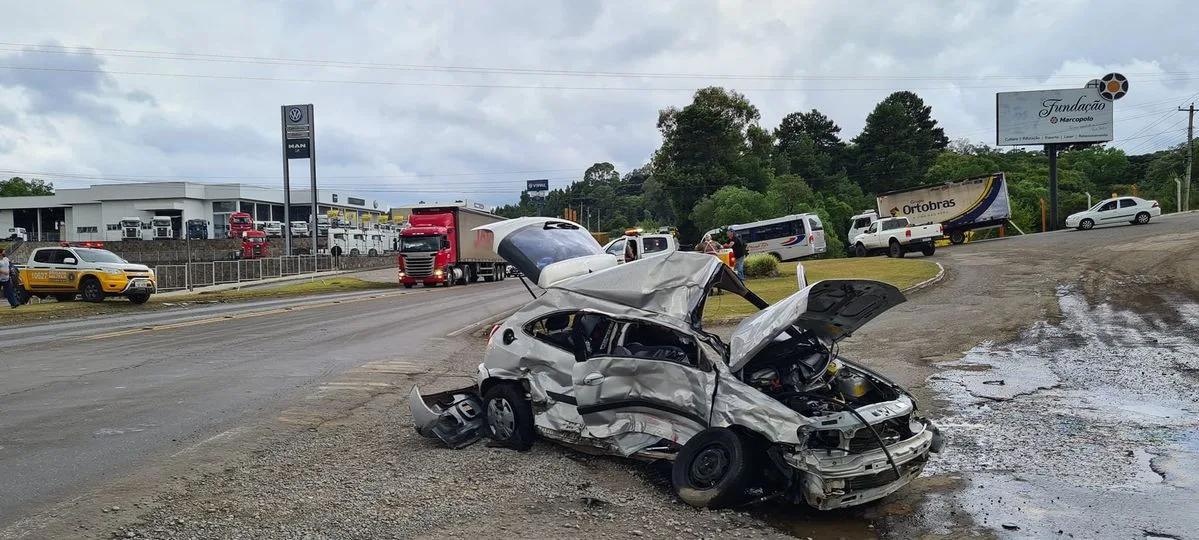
[(114, 271)]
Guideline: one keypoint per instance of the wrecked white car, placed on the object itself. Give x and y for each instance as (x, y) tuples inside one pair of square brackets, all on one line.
[(614, 358)]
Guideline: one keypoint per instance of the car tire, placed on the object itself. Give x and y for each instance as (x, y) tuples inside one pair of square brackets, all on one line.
[(64, 297), (509, 416), (1142, 218), (861, 250), (373, 253), (1086, 224), (894, 250), (928, 250), (957, 237), (713, 469), (354, 252), (409, 285), (139, 299), (91, 290)]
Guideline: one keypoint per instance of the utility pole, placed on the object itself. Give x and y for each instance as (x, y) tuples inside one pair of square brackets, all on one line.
[(1186, 186)]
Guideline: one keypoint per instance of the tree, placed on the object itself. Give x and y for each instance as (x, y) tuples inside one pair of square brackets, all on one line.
[(20, 187), (728, 206), (707, 145), (601, 173), (898, 144), (809, 145)]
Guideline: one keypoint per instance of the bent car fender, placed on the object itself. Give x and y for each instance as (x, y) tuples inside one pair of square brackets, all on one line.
[(738, 404)]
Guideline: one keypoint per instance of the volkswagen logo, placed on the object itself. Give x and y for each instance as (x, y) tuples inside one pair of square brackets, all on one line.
[(295, 114)]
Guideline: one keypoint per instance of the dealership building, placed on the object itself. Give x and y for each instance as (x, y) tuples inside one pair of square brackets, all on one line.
[(94, 213)]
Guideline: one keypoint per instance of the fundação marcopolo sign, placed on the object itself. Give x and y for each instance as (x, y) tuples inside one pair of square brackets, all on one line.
[(1075, 115)]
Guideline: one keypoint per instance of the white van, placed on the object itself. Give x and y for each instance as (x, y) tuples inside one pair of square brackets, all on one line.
[(787, 238), (17, 233)]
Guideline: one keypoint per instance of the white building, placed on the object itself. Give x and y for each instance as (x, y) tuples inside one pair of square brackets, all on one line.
[(94, 213)]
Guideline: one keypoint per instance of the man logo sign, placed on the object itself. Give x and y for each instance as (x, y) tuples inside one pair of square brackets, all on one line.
[(298, 149)]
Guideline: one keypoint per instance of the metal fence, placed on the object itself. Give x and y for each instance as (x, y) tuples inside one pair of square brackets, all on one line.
[(173, 277)]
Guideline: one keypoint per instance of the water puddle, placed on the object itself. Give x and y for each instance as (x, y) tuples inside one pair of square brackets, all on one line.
[(1088, 428)]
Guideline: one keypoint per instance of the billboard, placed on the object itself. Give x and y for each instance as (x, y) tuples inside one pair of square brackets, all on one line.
[(1074, 115), (968, 203)]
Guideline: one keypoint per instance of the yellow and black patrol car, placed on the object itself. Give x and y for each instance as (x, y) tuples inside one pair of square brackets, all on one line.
[(95, 274)]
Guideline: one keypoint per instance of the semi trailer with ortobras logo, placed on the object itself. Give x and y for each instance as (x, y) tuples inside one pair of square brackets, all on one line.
[(975, 203)]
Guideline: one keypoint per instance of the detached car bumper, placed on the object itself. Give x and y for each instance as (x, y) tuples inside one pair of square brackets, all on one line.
[(455, 417)]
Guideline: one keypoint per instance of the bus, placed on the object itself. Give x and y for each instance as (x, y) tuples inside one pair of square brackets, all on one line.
[(786, 238)]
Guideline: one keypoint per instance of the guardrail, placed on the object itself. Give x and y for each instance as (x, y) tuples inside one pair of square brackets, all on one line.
[(174, 277)]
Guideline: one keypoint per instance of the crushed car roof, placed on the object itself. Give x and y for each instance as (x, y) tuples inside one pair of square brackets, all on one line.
[(672, 285)]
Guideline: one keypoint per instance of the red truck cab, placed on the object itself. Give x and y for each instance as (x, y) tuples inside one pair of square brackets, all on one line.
[(426, 249), (442, 247), (240, 222), (253, 245)]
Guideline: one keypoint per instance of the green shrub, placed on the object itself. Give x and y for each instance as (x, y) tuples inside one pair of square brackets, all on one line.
[(761, 266)]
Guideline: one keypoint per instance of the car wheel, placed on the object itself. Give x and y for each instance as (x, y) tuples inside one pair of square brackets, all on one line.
[(91, 291), (354, 252), (1086, 224), (1142, 218), (372, 253), (861, 250), (957, 237), (894, 249), (139, 298), (65, 297), (509, 416), (713, 469), (928, 250)]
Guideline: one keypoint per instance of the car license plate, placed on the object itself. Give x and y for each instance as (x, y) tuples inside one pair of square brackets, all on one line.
[(141, 283)]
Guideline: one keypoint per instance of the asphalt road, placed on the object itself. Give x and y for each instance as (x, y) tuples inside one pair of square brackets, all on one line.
[(83, 401)]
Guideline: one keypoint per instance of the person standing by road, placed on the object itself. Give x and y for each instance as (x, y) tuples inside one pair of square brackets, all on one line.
[(739, 253), (6, 280)]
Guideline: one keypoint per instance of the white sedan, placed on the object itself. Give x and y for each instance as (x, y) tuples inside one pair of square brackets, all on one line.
[(1133, 210)]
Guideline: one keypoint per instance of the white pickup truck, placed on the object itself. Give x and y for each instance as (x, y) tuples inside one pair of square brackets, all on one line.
[(647, 245), (896, 237)]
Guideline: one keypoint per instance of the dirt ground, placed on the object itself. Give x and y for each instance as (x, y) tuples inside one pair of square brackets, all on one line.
[(349, 464)]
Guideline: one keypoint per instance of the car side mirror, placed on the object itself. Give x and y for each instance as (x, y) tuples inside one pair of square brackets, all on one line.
[(69, 260)]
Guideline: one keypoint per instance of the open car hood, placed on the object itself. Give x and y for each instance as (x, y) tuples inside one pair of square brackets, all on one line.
[(830, 310), (547, 250)]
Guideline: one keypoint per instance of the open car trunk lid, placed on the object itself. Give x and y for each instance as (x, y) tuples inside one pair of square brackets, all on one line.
[(547, 250), (830, 310)]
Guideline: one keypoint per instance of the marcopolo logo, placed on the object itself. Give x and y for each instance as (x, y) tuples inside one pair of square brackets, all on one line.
[(928, 206)]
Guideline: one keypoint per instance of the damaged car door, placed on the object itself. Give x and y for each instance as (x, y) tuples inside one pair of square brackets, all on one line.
[(647, 383)]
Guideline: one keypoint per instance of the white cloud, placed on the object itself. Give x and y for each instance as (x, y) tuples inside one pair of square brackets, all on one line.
[(384, 127)]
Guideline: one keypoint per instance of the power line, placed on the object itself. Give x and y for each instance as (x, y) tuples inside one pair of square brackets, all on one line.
[(270, 60), (261, 78)]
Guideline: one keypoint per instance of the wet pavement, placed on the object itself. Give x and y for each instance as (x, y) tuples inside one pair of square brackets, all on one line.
[(1084, 428)]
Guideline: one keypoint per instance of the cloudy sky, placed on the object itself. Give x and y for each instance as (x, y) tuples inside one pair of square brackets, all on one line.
[(440, 100)]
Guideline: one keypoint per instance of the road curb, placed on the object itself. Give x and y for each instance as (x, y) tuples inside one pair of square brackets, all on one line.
[(922, 285)]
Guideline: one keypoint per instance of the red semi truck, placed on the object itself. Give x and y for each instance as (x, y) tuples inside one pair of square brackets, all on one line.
[(440, 247), (240, 222)]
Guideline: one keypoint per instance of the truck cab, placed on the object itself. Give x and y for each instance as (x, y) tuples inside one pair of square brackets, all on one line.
[(273, 229), (253, 245), (299, 228), (71, 270), (858, 225), (634, 245), (197, 229), (447, 245), (17, 233), (162, 227), (240, 222), (131, 228)]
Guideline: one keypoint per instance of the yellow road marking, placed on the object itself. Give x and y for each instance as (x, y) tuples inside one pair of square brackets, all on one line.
[(245, 315)]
